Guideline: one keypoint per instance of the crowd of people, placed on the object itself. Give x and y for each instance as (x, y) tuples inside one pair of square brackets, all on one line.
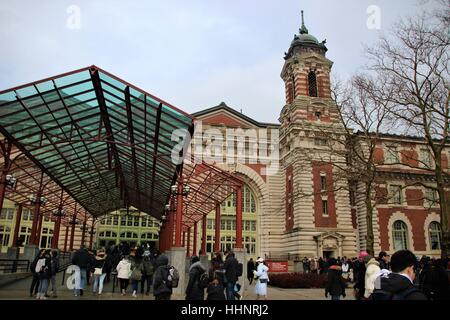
[(400, 277)]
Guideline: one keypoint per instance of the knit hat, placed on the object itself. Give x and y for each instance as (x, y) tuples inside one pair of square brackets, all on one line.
[(362, 254)]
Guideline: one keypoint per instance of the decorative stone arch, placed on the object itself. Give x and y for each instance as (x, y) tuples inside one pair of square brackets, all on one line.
[(259, 188), (432, 217), (402, 217), (335, 244)]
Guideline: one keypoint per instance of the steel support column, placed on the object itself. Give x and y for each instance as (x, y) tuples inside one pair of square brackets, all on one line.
[(55, 237), (17, 227), (194, 242), (184, 239), (65, 239), (72, 232), (91, 238), (203, 246), (83, 234), (179, 209), (39, 228), (217, 229), (188, 247), (238, 218)]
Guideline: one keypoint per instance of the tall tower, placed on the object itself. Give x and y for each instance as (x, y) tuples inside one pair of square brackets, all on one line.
[(317, 208)]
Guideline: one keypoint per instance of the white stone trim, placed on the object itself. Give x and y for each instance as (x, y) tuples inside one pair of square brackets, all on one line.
[(432, 217), (400, 216)]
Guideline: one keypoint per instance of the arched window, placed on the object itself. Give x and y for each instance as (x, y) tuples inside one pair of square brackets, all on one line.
[(400, 235), (434, 230), (312, 84), (5, 233)]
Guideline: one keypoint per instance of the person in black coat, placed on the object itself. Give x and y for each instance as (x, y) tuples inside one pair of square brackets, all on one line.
[(35, 282), (215, 290), (250, 269), (434, 282), (55, 269), (82, 259), (194, 291), (44, 264), (231, 269), (335, 284), (161, 290)]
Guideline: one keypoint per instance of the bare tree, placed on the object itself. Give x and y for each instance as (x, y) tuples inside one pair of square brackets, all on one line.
[(413, 63)]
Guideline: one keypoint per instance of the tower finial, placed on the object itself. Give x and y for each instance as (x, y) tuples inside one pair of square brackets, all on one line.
[(303, 28)]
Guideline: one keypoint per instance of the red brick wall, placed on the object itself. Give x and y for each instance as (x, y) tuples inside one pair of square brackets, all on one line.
[(224, 119), (409, 157), (320, 220), (257, 167), (417, 219), (444, 161), (378, 155), (289, 223), (414, 197)]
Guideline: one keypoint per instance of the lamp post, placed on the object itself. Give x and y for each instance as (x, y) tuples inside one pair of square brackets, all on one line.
[(37, 200), (59, 214), (179, 191), (73, 223)]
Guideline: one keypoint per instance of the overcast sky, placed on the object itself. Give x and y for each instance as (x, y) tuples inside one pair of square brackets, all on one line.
[(193, 54)]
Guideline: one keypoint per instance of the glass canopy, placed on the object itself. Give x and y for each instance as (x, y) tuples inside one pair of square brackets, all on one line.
[(107, 143)]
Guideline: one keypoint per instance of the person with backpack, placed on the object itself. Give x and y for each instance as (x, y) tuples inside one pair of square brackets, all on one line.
[(55, 269), (123, 273), (162, 282), (148, 265), (399, 284), (262, 276), (35, 281), (100, 267), (198, 280), (136, 271), (335, 284), (231, 273), (44, 269)]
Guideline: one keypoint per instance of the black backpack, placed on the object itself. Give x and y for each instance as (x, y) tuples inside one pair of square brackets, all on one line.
[(203, 280), (240, 270), (381, 295)]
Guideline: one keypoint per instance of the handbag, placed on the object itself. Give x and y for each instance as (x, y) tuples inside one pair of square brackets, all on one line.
[(263, 280), (99, 271)]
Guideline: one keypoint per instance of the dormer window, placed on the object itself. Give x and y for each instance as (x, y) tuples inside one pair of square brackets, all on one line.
[(312, 84)]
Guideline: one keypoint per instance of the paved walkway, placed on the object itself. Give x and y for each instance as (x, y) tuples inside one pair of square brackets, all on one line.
[(20, 290)]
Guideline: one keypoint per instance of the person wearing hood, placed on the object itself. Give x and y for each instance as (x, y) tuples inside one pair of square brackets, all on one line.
[(100, 267), (81, 259), (399, 284), (359, 273), (335, 284), (161, 290), (193, 290), (434, 282), (372, 271), (123, 273)]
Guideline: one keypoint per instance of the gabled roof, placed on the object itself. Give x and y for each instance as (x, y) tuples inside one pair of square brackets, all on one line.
[(223, 106)]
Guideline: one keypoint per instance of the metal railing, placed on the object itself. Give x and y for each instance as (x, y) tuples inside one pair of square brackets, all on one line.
[(14, 265)]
